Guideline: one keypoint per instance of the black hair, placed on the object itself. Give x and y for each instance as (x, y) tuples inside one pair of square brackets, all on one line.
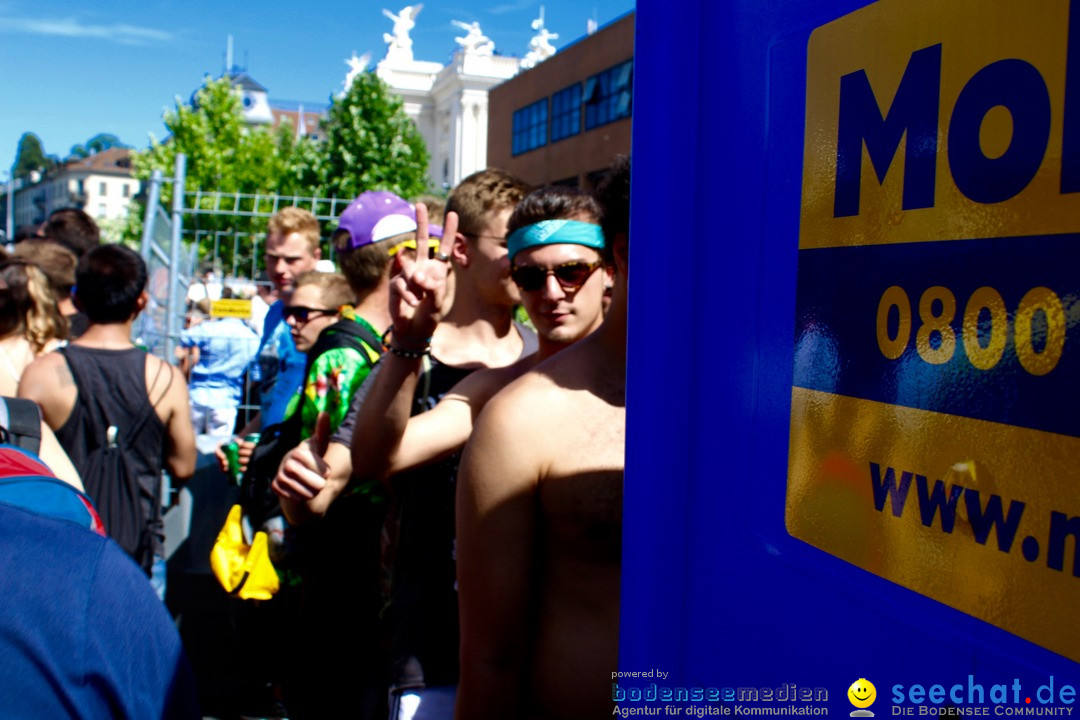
[(73, 229), (554, 202), (614, 196), (108, 282)]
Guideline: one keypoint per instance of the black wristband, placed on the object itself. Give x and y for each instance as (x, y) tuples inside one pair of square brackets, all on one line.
[(410, 354)]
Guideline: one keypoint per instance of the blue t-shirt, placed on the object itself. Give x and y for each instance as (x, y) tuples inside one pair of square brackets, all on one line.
[(226, 347), (281, 366), (82, 634)]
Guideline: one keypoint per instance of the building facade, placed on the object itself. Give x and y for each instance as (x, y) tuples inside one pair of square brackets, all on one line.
[(449, 105), (102, 185), (562, 121)]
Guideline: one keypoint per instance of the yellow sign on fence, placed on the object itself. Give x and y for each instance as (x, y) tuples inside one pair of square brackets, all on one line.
[(231, 308)]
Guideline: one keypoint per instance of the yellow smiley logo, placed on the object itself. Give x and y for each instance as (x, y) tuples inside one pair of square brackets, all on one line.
[(862, 693)]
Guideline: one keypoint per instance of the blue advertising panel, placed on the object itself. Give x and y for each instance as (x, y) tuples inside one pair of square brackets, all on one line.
[(854, 363)]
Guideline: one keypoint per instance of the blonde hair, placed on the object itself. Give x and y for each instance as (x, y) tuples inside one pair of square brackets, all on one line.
[(334, 288), (28, 306), (296, 220), (56, 260)]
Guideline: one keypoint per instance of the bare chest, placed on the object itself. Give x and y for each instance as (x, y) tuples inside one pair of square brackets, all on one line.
[(581, 491)]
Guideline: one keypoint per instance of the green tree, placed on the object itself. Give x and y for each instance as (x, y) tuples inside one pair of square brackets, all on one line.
[(96, 144), (371, 144), (224, 154), (31, 156)]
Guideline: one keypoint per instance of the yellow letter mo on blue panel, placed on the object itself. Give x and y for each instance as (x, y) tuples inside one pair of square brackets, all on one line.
[(932, 121), (935, 428)]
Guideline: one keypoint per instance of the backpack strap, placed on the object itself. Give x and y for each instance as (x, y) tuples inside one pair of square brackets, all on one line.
[(373, 341), (21, 418)]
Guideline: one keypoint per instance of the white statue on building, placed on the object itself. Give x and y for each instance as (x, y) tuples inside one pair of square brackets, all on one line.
[(540, 47), (400, 44), (356, 65), (475, 42)]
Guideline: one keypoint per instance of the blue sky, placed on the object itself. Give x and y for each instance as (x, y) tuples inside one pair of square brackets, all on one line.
[(69, 70)]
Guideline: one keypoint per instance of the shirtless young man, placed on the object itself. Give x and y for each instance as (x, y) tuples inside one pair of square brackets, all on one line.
[(564, 305), (539, 524)]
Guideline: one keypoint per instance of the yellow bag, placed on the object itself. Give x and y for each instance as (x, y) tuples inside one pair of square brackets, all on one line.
[(243, 570)]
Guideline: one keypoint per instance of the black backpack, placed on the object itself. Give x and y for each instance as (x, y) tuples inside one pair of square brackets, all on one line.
[(256, 497), (113, 484)]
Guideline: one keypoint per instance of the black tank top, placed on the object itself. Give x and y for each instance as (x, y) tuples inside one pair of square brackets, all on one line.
[(112, 391)]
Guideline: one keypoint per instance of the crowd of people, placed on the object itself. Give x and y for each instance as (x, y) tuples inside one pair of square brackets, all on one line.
[(440, 479)]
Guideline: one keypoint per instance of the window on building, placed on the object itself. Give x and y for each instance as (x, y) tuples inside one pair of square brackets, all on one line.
[(609, 95), (530, 127), (101, 210), (101, 189), (566, 112), (127, 190)]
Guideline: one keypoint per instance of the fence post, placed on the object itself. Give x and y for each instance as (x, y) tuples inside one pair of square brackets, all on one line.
[(173, 301), (152, 197)]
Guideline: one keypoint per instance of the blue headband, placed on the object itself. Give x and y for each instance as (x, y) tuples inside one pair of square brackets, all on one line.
[(552, 232)]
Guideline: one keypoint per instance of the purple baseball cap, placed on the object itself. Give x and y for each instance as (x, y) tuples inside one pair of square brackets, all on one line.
[(375, 216)]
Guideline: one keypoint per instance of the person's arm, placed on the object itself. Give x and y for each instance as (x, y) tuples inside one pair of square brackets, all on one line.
[(180, 454), (187, 352), (417, 297), (496, 528), (443, 430), (48, 382), (383, 417), (312, 475), (58, 461)]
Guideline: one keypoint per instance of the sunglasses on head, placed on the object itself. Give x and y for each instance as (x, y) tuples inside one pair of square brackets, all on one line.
[(302, 314), (411, 245), (570, 275)]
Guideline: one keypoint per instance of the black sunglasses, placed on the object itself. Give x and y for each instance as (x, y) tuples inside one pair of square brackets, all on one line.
[(302, 314), (571, 275)]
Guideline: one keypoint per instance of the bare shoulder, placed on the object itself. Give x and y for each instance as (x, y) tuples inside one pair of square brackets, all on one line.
[(48, 382), (46, 373), (479, 386), (560, 416), (165, 383)]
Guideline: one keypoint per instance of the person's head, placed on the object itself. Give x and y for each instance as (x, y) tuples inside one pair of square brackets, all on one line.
[(73, 229), (373, 226), (26, 232), (556, 246), (110, 284), (55, 260), (483, 202), (292, 247), (436, 207), (613, 194), (27, 305), (315, 305)]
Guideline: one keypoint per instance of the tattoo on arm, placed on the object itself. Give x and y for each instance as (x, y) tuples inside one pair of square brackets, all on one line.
[(63, 374)]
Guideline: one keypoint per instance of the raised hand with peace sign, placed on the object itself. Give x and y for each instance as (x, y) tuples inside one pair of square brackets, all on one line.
[(418, 294)]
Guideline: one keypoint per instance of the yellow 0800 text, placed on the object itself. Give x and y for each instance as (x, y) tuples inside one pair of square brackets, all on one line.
[(937, 311)]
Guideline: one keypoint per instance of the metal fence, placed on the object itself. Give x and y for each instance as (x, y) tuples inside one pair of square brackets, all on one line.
[(210, 238)]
